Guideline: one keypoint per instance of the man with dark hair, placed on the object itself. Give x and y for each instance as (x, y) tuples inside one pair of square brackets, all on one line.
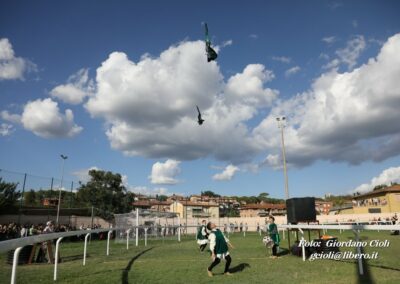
[(202, 236), (219, 249), (394, 219), (273, 233)]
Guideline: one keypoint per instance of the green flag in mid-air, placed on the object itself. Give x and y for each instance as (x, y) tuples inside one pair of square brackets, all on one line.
[(211, 54)]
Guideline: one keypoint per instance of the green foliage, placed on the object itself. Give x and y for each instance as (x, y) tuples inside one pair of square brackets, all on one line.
[(339, 200), (30, 198), (161, 197), (8, 195), (262, 197), (380, 186), (210, 193), (106, 192)]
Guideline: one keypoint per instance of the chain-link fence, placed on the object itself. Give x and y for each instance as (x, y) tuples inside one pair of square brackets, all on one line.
[(28, 183)]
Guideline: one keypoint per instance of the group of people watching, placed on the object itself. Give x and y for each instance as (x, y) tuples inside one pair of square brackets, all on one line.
[(14, 230)]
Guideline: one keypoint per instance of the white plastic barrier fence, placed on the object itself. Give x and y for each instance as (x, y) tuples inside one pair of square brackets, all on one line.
[(19, 243)]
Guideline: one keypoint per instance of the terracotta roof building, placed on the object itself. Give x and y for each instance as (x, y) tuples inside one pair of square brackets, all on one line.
[(262, 210)]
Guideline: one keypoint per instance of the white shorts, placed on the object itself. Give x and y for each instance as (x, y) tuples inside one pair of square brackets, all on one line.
[(202, 242), (222, 255)]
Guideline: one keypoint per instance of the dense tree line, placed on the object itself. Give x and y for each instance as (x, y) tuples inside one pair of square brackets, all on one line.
[(8, 196), (104, 191)]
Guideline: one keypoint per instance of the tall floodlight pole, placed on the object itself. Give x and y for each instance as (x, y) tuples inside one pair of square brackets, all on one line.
[(281, 125), (59, 193)]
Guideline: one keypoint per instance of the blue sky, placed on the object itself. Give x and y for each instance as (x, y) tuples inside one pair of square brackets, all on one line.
[(114, 85)]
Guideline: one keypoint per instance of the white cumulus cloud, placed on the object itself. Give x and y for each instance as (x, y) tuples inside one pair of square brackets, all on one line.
[(349, 54), (44, 119), (227, 174), (12, 67), (283, 59), (329, 39), (150, 106), (83, 174), (14, 118), (77, 88), (6, 129), (292, 71), (347, 117), (386, 177), (165, 173)]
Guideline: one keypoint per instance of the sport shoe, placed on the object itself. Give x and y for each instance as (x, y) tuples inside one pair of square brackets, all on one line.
[(228, 273), (209, 273)]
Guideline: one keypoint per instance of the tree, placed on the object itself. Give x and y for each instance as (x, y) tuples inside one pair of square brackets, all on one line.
[(30, 198), (161, 197), (8, 195), (263, 196), (106, 192), (381, 186), (210, 193)]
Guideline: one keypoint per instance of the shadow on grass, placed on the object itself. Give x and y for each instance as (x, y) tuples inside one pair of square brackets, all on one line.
[(369, 265), (366, 278), (125, 272), (283, 252), (73, 257), (239, 268)]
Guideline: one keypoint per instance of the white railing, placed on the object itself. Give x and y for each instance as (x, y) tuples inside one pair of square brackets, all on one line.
[(19, 243)]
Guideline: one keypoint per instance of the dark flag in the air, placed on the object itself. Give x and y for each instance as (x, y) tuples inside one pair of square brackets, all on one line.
[(199, 119), (211, 54)]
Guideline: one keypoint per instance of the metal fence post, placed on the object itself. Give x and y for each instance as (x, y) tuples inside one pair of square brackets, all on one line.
[(56, 257), (108, 242), (15, 263), (137, 226), (84, 249), (127, 238)]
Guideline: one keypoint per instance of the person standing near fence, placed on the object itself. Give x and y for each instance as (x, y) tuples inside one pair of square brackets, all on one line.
[(274, 234), (219, 249), (394, 219), (202, 236)]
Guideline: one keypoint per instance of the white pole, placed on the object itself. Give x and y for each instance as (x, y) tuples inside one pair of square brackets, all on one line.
[(127, 238), (137, 226), (56, 258), (59, 192), (303, 250), (15, 263), (281, 126), (179, 229), (108, 242), (84, 249), (145, 236)]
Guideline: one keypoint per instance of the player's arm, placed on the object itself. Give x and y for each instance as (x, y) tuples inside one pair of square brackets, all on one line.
[(228, 242), (212, 240)]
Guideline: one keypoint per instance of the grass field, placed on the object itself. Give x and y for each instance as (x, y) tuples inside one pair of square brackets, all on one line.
[(173, 262)]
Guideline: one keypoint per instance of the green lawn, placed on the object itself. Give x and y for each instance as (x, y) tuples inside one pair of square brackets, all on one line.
[(172, 262)]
